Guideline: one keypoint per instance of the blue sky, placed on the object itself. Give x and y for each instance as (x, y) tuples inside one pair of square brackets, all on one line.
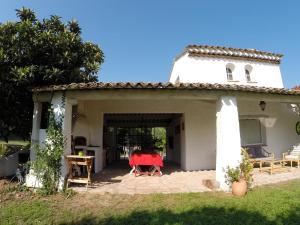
[(141, 38)]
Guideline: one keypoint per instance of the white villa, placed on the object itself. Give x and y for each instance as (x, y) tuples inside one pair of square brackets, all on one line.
[(217, 100)]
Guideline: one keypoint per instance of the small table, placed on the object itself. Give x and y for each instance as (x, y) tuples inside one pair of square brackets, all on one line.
[(146, 159), (80, 161), (275, 165)]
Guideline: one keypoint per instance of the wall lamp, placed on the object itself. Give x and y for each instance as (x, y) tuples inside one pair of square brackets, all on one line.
[(262, 105)]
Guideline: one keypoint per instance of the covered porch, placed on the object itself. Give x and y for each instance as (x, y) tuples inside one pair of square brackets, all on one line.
[(205, 128)]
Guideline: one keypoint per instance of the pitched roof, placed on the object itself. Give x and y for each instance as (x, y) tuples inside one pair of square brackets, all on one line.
[(234, 53), (166, 86)]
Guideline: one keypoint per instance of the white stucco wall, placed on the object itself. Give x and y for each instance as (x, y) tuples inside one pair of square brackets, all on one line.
[(279, 122), (81, 123), (197, 138), (200, 136), (62, 108), (31, 179), (213, 70), (228, 137), (36, 120), (42, 137)]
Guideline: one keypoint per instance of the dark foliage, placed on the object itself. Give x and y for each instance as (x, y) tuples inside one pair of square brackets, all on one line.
[(37, 52)]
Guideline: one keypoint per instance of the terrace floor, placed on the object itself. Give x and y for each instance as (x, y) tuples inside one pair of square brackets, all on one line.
[(115, 179)]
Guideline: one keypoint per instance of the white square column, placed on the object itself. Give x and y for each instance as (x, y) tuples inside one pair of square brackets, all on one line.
[(62, 107), (30, 179), (36, 120), (228, 137)]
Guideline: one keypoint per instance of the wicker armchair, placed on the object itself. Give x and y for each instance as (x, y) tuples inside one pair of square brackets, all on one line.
[(293, 155)]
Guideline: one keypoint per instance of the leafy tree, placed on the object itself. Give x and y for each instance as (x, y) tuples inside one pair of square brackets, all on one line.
[(37, 52)]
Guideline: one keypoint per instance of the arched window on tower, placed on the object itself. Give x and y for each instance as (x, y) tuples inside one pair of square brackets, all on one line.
[(248, 77), (229, 71), (229, 74), (248, 70)]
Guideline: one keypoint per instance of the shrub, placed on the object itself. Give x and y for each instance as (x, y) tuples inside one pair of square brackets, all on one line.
[(242, 171), (232, 175), (3, 150), (246, 167)]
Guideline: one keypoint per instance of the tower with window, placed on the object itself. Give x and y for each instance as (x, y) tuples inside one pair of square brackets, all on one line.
[(222, 65)]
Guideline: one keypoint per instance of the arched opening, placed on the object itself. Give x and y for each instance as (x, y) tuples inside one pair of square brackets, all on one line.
[(248, 70), (229, 71)]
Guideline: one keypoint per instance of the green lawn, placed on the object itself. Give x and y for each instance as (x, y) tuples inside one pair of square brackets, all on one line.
[(14, 142), (277, 204), (12, 146)]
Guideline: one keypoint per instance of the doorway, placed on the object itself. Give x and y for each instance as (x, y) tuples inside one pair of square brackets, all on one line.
[(124, 133)]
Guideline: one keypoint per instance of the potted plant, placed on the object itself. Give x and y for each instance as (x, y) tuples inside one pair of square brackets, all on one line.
[(240, 177)]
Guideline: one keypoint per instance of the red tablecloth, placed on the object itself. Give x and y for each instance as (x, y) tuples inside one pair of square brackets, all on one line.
[(145, 159)]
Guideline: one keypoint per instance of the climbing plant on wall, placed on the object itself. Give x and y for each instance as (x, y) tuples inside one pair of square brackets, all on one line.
[(48, 162)]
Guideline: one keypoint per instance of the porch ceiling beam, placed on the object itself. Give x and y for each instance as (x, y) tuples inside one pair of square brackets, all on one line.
[(137, 125)]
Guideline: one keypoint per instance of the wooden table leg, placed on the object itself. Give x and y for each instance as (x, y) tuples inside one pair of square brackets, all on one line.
[(272, 167), (260, 166), (69, 169), (89, 170)]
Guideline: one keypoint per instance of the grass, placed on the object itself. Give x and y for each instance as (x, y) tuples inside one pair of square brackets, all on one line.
[(7, 148), (14, 142), (276, 204)]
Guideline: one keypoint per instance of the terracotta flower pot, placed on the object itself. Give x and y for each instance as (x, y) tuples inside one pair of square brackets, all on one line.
[(239, 188)]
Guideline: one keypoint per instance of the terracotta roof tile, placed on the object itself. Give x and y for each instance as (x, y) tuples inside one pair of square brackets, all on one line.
[(236, 53), (166, 86)]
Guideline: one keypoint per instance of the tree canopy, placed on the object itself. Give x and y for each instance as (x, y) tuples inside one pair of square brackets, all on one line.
[(39, 52)]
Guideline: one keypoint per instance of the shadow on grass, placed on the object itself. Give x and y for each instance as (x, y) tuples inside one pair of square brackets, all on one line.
[(201, 216)]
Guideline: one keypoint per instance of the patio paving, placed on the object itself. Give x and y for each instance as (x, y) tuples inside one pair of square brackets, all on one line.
[(117, 180), (265, 178)]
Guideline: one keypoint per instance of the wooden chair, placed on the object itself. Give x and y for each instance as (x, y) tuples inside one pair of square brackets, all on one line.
[(80, 144), (293, 155)]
